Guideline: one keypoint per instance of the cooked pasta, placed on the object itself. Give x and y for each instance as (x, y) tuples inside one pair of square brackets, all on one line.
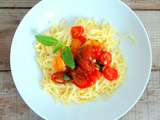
[(67, 93)]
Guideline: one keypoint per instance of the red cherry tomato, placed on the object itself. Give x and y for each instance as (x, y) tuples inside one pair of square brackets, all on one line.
[(58, 77), (80, 78), (77, 31), (82, 38), (105, 58), (110, 73), (96, 51), (90, 52), (86, 52), (94, 75), (86, 65)]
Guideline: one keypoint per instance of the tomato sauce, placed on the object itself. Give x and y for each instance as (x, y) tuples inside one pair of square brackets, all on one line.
[(92, 62)]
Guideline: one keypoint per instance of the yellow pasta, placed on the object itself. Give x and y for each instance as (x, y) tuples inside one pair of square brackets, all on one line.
[(69, 93)]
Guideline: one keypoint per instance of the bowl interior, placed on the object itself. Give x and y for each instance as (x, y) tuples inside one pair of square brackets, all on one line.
[(27, 75)]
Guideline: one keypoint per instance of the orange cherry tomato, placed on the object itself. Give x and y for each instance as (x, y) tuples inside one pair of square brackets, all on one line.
[(75, 46), (110, 73), (58, 63)]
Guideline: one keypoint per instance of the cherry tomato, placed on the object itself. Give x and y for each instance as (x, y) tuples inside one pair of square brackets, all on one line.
[(90, 52), (96, 51), (58, 77), (110, 73), (58, 63), (105, 58), (77, 31), (80, 78), (82, 38), (94, 75), (75, 46), (86, 65), (86, 52)]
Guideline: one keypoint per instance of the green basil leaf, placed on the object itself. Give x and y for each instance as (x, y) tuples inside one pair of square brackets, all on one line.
[(46, 40), (68, 57), (57, 48), (66, 77)]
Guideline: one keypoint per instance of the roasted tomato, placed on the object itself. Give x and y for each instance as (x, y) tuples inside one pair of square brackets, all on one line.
[(86, 52), (90, 52), (80, 78), (86, 65), (77, 32), (110, 73), (105, 58), (75, 46), (58, 77), (58, 63), (78, 39), (96, 51), (94, 75)]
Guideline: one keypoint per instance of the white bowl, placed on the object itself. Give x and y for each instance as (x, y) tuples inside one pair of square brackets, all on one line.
[(26, 73)]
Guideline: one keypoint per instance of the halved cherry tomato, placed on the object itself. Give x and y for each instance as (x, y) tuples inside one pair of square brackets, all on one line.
[(110, 73), (77, 31), (58, 63), (80, 78), (58, 77), (105, 58)]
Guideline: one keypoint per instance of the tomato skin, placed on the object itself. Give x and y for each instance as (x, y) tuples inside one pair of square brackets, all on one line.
[(86, 52), (75, 46), (82, 84), (80, 78), (58, 63), (86, 65), (90, 52), (58, 77), (110, 73), (96, 52), (82, 39), (94, 75), (105, 58), (77, 33), (78, 39)]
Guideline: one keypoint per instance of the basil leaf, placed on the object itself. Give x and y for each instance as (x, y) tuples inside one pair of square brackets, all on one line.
[(46, 40), (57, 48), (100, 66), (66, 77), (68, 57)]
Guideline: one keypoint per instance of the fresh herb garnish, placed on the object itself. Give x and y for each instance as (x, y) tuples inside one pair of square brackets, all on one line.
[(68, 57), (46, 40), (100, 66), (66, 77), (59, 45)]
